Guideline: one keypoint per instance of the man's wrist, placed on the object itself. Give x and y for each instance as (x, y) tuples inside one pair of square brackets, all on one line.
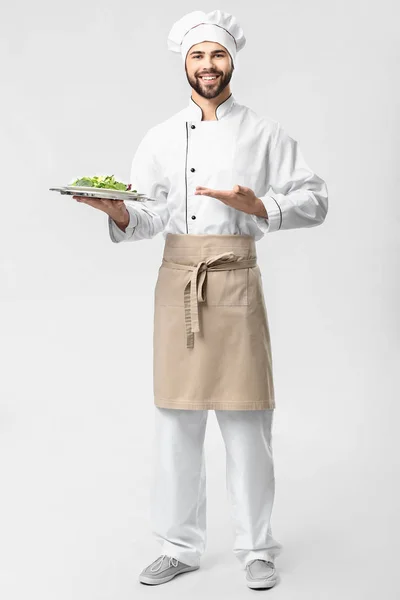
[(260, 210), (122, 220)]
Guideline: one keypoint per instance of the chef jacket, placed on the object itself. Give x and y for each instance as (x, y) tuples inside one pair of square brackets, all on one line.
[(239, 147)]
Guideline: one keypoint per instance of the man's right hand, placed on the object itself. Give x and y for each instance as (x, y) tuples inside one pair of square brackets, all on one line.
[(115, 209)]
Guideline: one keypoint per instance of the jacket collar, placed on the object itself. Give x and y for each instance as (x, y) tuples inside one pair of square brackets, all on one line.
[(195, 113)]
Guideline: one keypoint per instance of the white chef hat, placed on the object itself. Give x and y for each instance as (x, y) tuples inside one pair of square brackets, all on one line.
[(198, 26)]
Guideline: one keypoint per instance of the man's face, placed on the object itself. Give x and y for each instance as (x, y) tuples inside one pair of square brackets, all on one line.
[(208, 58)]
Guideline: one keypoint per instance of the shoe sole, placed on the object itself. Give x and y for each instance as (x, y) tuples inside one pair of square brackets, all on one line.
[(256, 585), (152, 581), (260, 585)]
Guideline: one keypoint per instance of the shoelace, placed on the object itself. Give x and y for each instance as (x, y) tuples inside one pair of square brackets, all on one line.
[(160, 560)]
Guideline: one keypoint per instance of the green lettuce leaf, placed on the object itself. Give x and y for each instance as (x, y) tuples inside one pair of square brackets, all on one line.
[(102, 181)]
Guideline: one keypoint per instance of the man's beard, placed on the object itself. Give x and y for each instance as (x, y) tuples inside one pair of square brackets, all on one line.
[(210, 91)]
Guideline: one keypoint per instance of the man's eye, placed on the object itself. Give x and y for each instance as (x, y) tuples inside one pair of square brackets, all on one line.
[(215, 55)]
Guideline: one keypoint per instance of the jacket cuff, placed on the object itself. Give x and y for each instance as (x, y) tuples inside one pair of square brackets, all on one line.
[(117, 234), (274, 213)]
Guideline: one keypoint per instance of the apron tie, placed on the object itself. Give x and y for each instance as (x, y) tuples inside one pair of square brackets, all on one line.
[(194, 291)]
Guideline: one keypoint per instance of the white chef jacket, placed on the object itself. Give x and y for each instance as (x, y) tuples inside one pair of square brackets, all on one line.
[(240, 147)]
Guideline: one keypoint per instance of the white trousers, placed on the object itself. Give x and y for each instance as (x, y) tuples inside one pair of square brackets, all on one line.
[(178, 494)]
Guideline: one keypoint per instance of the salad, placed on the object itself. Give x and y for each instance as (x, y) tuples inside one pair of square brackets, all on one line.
[(103, 181)]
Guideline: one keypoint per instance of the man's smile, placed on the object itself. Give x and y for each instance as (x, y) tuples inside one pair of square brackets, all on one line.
[(209, 78)]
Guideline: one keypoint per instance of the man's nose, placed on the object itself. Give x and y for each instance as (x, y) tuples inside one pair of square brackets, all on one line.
[(209, 64)]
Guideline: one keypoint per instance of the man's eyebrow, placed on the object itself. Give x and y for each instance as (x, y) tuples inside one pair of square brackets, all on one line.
[(202, 51)]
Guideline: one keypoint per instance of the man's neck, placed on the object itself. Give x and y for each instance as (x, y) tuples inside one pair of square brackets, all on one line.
[(209, 105)]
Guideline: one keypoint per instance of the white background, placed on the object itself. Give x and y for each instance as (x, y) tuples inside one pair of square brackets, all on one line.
[(81, 84)]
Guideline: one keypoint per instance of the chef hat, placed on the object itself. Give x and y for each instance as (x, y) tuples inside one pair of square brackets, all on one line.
[(198, 26)]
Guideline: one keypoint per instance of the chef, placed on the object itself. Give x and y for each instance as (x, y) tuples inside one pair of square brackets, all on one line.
[(219, 177)]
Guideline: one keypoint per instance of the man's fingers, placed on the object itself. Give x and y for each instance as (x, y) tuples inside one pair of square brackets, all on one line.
[(103, 204), (105, 201), (94, 202), (87, 200)]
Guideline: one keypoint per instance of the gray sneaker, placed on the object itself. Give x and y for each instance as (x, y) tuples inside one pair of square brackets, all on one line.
[(163, 569)]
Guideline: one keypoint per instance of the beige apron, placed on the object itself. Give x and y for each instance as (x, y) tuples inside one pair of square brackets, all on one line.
[(211, 337)]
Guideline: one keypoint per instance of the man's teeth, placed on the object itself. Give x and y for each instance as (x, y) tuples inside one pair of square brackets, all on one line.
[(213, 77)]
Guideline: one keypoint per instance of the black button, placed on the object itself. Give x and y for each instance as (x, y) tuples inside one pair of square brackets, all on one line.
[(193, 216), (193, 170), (193, 126)]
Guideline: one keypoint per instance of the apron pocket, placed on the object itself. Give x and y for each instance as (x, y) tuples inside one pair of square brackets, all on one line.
[(227, 288), (169, 286)]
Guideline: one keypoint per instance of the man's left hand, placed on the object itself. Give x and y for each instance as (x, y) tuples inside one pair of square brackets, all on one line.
[(240, 197)]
